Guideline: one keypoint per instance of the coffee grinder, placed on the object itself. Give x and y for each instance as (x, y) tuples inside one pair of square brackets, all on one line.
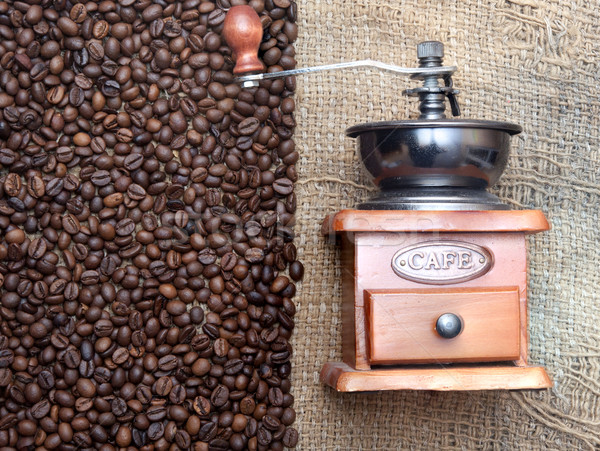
[(434, 289)]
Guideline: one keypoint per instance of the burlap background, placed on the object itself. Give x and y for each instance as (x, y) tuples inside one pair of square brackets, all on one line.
[(531, 62)]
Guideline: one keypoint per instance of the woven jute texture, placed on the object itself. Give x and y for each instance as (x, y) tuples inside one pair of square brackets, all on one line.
[(530, 62)]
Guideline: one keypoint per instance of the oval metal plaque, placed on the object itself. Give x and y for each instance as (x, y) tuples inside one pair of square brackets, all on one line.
[(442, 262)]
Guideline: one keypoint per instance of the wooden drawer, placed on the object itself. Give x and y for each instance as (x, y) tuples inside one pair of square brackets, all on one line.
[(401, 325)]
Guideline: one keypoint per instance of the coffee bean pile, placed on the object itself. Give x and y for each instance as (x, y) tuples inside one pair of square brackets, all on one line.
[(147, 263)]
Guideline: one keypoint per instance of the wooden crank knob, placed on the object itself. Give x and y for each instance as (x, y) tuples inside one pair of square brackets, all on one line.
[(243, 32)]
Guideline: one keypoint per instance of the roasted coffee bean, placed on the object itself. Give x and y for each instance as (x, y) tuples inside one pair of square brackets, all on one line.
[(81, 80), (143, 394), (248, 126), (6, 358), (78, 13), (8, 421), (59, 341), (296, 270), (208, 431), (12, 184), (233, 367), (72, 358), (70, 224), (219, 396), (163, 386), (120, 356), (40, 409), (118, 407), (136, 192), (125, 227), (45, 379), (254, 255), (264, 436), (100, 29), (202, 406), (178, 394), (156, 413), (168, 363), (156, 431), (37, 248), (100, 178), (36, 187), (90, 277), (146, 210), (183, 440), (283, 186), (290, 437), (252, 228), (103, 328), (86, 368)]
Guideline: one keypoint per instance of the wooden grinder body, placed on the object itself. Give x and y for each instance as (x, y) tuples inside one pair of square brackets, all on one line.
[(472, 264)]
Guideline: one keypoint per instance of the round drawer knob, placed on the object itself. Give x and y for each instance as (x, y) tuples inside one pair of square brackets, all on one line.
[(448, 325)]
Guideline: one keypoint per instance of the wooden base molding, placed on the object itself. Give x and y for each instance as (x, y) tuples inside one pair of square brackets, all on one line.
[(344, 378)]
